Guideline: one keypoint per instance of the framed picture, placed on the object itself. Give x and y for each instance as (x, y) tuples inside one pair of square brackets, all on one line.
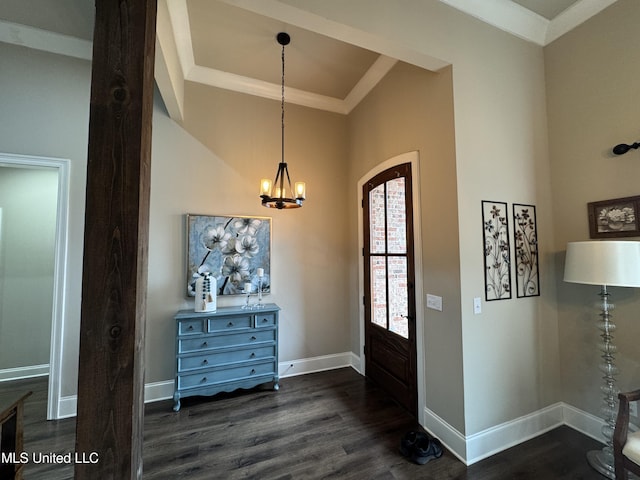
[(614, 218), (497, 251), (231, 249), (526, 249)]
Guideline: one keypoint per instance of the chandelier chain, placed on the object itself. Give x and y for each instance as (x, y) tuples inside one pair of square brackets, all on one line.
[(282, 105)]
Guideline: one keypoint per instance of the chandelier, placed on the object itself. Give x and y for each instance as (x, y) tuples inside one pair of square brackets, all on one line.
[(278, 194)]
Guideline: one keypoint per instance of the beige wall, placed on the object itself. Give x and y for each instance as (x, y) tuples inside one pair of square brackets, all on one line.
[(510, 351), (593, 98), (510, 355), (309, 256), (412, 109)]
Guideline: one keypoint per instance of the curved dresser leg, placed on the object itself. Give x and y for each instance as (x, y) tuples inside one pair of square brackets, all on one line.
[(176, 402)]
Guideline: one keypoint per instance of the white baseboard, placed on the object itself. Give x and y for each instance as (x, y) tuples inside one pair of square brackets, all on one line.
[(156, 391), (315, 364), (153, 392), (473, 448), (20, 373), (67, 407), (583, 422), (450, 437)]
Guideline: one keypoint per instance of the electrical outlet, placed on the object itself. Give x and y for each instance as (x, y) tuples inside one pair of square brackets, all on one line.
[(633, 409)]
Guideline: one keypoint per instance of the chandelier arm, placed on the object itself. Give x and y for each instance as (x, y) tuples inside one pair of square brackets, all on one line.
[(278, 176), (281, 170), (290, 192)]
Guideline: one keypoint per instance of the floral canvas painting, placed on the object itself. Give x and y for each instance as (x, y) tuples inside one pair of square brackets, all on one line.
[(232, 250), (497, 264)]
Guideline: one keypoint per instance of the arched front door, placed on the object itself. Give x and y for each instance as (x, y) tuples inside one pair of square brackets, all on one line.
[(389, 284)]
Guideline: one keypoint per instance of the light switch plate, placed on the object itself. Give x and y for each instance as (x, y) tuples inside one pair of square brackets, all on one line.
[(477, 306), (434, 302)]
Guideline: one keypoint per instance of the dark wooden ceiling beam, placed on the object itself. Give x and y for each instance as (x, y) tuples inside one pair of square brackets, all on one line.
[(114, 280)]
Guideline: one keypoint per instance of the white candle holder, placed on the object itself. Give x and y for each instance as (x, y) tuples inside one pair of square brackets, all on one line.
[(247, 290), (259, 304)]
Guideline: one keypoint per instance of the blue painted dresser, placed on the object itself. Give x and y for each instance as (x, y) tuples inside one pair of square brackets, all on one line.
[(224, 350)]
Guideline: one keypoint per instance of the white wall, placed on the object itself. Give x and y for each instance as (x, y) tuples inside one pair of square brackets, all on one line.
[(28, 204), (45, 112)]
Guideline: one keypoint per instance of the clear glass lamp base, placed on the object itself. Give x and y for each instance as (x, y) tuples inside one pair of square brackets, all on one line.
[(598, 461)]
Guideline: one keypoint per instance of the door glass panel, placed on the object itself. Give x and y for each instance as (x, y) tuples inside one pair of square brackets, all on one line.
[(377, 220), (379, 291), (398, 296), (396, 216)]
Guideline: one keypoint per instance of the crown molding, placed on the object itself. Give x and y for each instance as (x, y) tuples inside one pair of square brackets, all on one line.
[(507, 16), (575, 15), (522, 22), (179, 17), (43, 40)]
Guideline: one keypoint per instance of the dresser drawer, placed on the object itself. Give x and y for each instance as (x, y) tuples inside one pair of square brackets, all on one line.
[(228, 323), (216, 341), (203, 361), (217, 376), (186, 327), (265, 320)]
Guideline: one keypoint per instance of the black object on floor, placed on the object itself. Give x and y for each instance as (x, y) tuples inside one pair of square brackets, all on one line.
[(420, 448)]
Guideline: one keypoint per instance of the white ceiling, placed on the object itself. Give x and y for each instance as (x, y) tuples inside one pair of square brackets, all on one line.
[(231, 43)]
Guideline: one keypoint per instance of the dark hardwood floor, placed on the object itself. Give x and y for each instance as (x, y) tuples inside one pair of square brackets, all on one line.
[(329, 425)]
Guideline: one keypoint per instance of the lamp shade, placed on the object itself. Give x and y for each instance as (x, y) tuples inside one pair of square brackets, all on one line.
[(609, 263)]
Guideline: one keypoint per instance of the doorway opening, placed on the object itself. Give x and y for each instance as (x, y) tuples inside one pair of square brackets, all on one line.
[(33, 245), (390, 281)]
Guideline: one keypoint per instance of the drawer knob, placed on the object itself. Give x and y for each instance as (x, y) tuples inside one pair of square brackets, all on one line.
[(253, 354), (253, 337), (204, 380), (205, 362), (190, 327), (265, 320), (253, 370), (230, 324), (204, 344)]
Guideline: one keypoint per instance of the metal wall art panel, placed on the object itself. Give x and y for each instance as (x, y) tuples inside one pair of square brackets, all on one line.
[(497, 253), (526, 249)]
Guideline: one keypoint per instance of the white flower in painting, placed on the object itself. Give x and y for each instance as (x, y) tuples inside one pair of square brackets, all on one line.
[(230, 247), (247, 246), (247, 226), (215, 237), (236, 268)]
